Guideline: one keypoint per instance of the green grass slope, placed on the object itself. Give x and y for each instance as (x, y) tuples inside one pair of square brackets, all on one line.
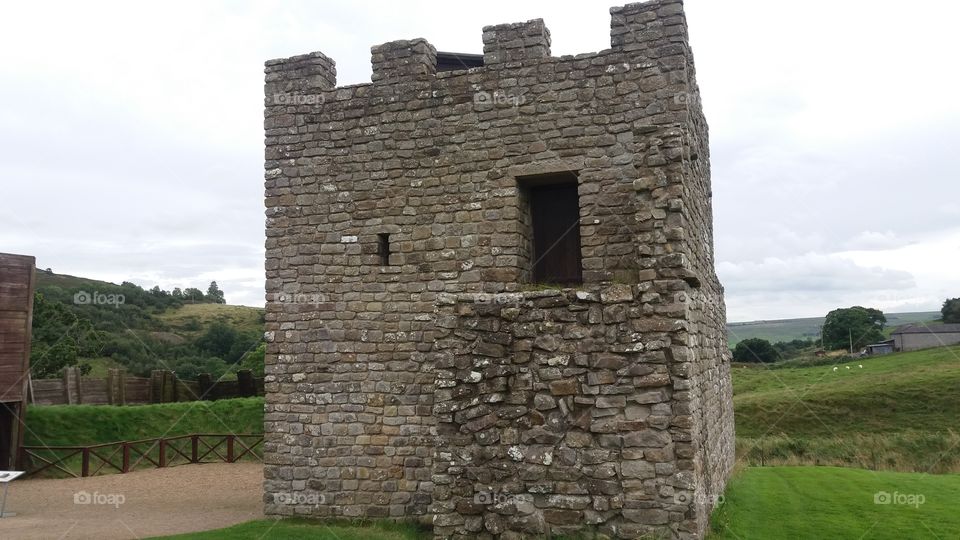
[(897, 412), (771, 503), (64, 281), (190, 320), (71, 425)]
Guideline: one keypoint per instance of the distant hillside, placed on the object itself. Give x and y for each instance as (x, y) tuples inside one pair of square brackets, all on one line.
[(790, 329), (97, 325), (49, 279)]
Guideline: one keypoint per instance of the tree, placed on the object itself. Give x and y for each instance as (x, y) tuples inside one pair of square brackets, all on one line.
[(214, 294), (755, 350), (860, 325), (951, 311), (193, 294), (60, 338), (177, 293), (254, 360), (794, 348), (218, 340)]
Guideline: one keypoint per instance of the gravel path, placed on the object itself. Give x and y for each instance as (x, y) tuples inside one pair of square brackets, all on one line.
[(157, 502)]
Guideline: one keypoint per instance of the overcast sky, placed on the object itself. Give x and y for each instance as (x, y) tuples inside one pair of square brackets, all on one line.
[(131, 135)]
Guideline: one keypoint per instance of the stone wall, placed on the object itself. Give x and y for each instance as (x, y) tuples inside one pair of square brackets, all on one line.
[(434, 164), (557, 409)]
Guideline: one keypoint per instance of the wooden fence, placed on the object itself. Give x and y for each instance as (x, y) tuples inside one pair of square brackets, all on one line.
[(125, 456), (118, 388)]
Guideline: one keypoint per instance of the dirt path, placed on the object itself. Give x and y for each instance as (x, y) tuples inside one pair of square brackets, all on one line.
[(157, 502)]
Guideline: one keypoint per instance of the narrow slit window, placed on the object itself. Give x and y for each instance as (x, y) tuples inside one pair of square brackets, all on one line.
[(383, 248), (555, 224)]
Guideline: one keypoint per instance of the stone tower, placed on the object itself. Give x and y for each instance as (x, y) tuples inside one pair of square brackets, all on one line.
[(491, 297)]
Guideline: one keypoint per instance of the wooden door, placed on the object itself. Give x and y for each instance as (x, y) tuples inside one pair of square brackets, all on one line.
[(555, 210)]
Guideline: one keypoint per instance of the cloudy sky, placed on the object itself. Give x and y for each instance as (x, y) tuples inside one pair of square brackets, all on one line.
[(131, 136)]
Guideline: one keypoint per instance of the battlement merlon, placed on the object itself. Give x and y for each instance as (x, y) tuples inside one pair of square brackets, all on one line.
[(303, 75), (650, 27), (412, 59), (515, 42)]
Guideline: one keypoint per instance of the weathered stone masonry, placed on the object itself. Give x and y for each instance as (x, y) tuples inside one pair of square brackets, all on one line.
[(414, 370)]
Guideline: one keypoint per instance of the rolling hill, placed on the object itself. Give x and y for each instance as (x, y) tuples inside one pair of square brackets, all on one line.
[(809, 328), (99, 325)]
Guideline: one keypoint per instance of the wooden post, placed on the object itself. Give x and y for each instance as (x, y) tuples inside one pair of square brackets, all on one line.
[(156, 386), (79, 381), (170, 387), (165, 384), (111, 382), (205, 386), (245, 383), (229, 448), (121, 387), (126, 457), (163, 453), (69, 387), (194, 449), (85, 463)]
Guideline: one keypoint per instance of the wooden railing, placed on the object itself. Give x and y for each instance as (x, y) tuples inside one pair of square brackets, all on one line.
[(125, 456)]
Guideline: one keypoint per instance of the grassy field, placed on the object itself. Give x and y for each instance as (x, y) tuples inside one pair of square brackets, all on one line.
[(298, 529), (65, 425), (828, 502), (897, 412), (790, 329), (192, 319), (65, 281)]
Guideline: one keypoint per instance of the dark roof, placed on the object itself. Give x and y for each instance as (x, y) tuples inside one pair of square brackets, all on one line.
[(931, 329), (448, 61)]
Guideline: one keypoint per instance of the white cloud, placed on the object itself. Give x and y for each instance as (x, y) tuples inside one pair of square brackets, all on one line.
[(871, 240), (810, 272)]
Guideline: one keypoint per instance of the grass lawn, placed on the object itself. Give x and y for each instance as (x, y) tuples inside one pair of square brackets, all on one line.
[(826, 502), (297, 529), (897, 412), (66, 425)]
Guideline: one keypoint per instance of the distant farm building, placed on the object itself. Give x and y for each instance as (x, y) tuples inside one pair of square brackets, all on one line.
[(914, 337), (877, 349)]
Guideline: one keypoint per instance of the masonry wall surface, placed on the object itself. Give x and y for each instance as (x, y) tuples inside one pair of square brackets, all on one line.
[(365, 360), (916, 342)]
